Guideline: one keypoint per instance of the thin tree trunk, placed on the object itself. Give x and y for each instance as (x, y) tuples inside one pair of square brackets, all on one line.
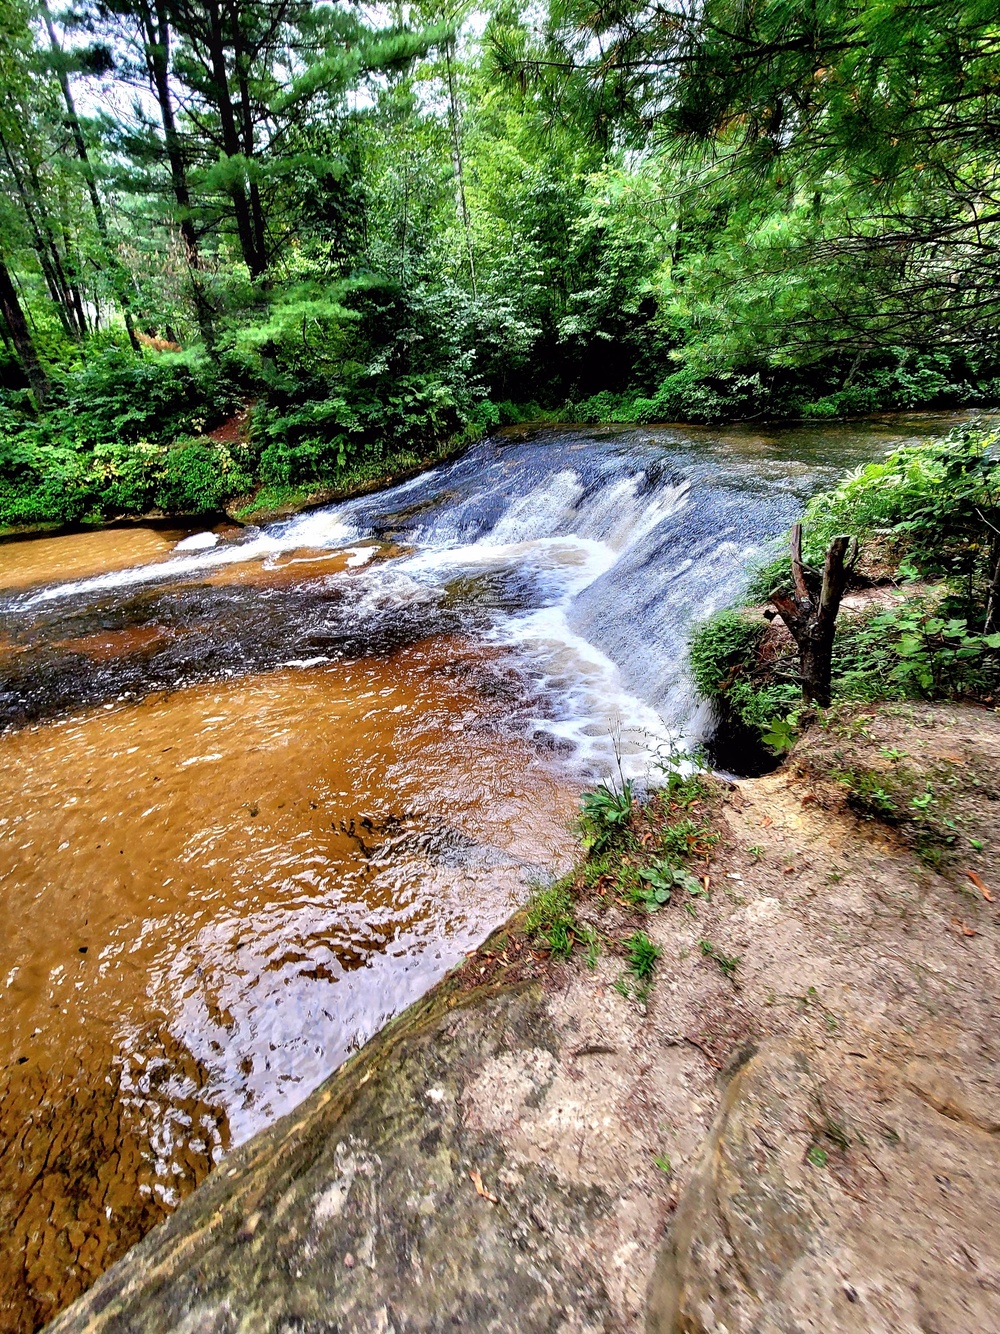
[(48, 256), (74, 278), (455, 124), (993, 601), (73, 121), (68, 263), (157, 37), (17, 326), (249, 146)]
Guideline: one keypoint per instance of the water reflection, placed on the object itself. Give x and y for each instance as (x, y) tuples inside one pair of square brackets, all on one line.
[(267, 870)]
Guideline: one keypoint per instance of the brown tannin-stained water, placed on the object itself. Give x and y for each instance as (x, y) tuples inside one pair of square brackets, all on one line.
[(41, 560), (262, 788), (208, 901)]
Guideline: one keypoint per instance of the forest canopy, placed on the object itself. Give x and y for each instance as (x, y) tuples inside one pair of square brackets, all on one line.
[(365, 235)]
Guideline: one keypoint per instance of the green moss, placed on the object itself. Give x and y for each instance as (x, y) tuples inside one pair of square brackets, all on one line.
[(722, 648)]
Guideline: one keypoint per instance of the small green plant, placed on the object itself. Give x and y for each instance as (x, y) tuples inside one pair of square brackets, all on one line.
[(550, 917), (662, 879), (780, 734), (642, 955), (660, 884), (867, 791), (604, 815), (593, 943), (685, 789), (817, 1156), (756, 852), (921, 803), (686, 837), (663, 1163), (836, 1133), (728, 963)]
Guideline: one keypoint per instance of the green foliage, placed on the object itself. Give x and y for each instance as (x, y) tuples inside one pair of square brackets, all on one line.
[(605, 815), (728, 963), (680, 788), (820, 158), (913, 652), (662, 878), (197, 476), (936, 506), (550, 918), (724, 662), (779, 734), (915, 804), (684, 837), (104, 446), (642, 955), (720, 649), (939, 499), (442, 234)]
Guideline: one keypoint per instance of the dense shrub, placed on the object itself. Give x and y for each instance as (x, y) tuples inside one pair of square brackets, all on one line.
[(902, 381), (721, 647), (196, 477), (724, 659)]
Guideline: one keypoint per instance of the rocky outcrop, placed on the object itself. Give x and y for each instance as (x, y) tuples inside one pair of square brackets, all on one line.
[(794, 1220), (807, 1139)]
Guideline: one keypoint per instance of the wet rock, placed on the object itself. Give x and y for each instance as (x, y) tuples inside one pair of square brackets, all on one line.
[(367, 1215)]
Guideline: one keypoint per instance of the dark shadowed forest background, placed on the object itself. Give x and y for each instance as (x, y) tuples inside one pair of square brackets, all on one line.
[(250, 249)]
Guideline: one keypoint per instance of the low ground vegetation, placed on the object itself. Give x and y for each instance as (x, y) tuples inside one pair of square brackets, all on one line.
[(642, 855)]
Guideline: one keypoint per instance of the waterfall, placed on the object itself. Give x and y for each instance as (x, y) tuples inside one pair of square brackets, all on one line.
[(587, 556)]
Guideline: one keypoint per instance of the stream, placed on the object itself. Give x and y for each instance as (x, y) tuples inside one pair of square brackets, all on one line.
[(263, 787)]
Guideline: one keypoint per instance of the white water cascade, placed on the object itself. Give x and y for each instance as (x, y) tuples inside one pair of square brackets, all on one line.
[(587, 554)]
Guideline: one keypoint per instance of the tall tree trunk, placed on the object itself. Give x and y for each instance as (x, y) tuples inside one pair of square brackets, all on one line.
[(119, 278), (17, 326), (455, 125), (68, 263), (247, 136), (156, 31), (45, 248), (993, 599), (231, 144)]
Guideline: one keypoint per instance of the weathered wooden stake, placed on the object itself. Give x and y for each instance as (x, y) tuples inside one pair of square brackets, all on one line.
[(812, 622)]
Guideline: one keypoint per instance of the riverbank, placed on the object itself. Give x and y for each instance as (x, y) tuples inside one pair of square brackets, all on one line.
[(798, 1117), (264, 503), (215, 479)]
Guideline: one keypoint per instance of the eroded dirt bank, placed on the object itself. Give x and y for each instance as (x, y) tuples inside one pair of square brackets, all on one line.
[(808, 1140)]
